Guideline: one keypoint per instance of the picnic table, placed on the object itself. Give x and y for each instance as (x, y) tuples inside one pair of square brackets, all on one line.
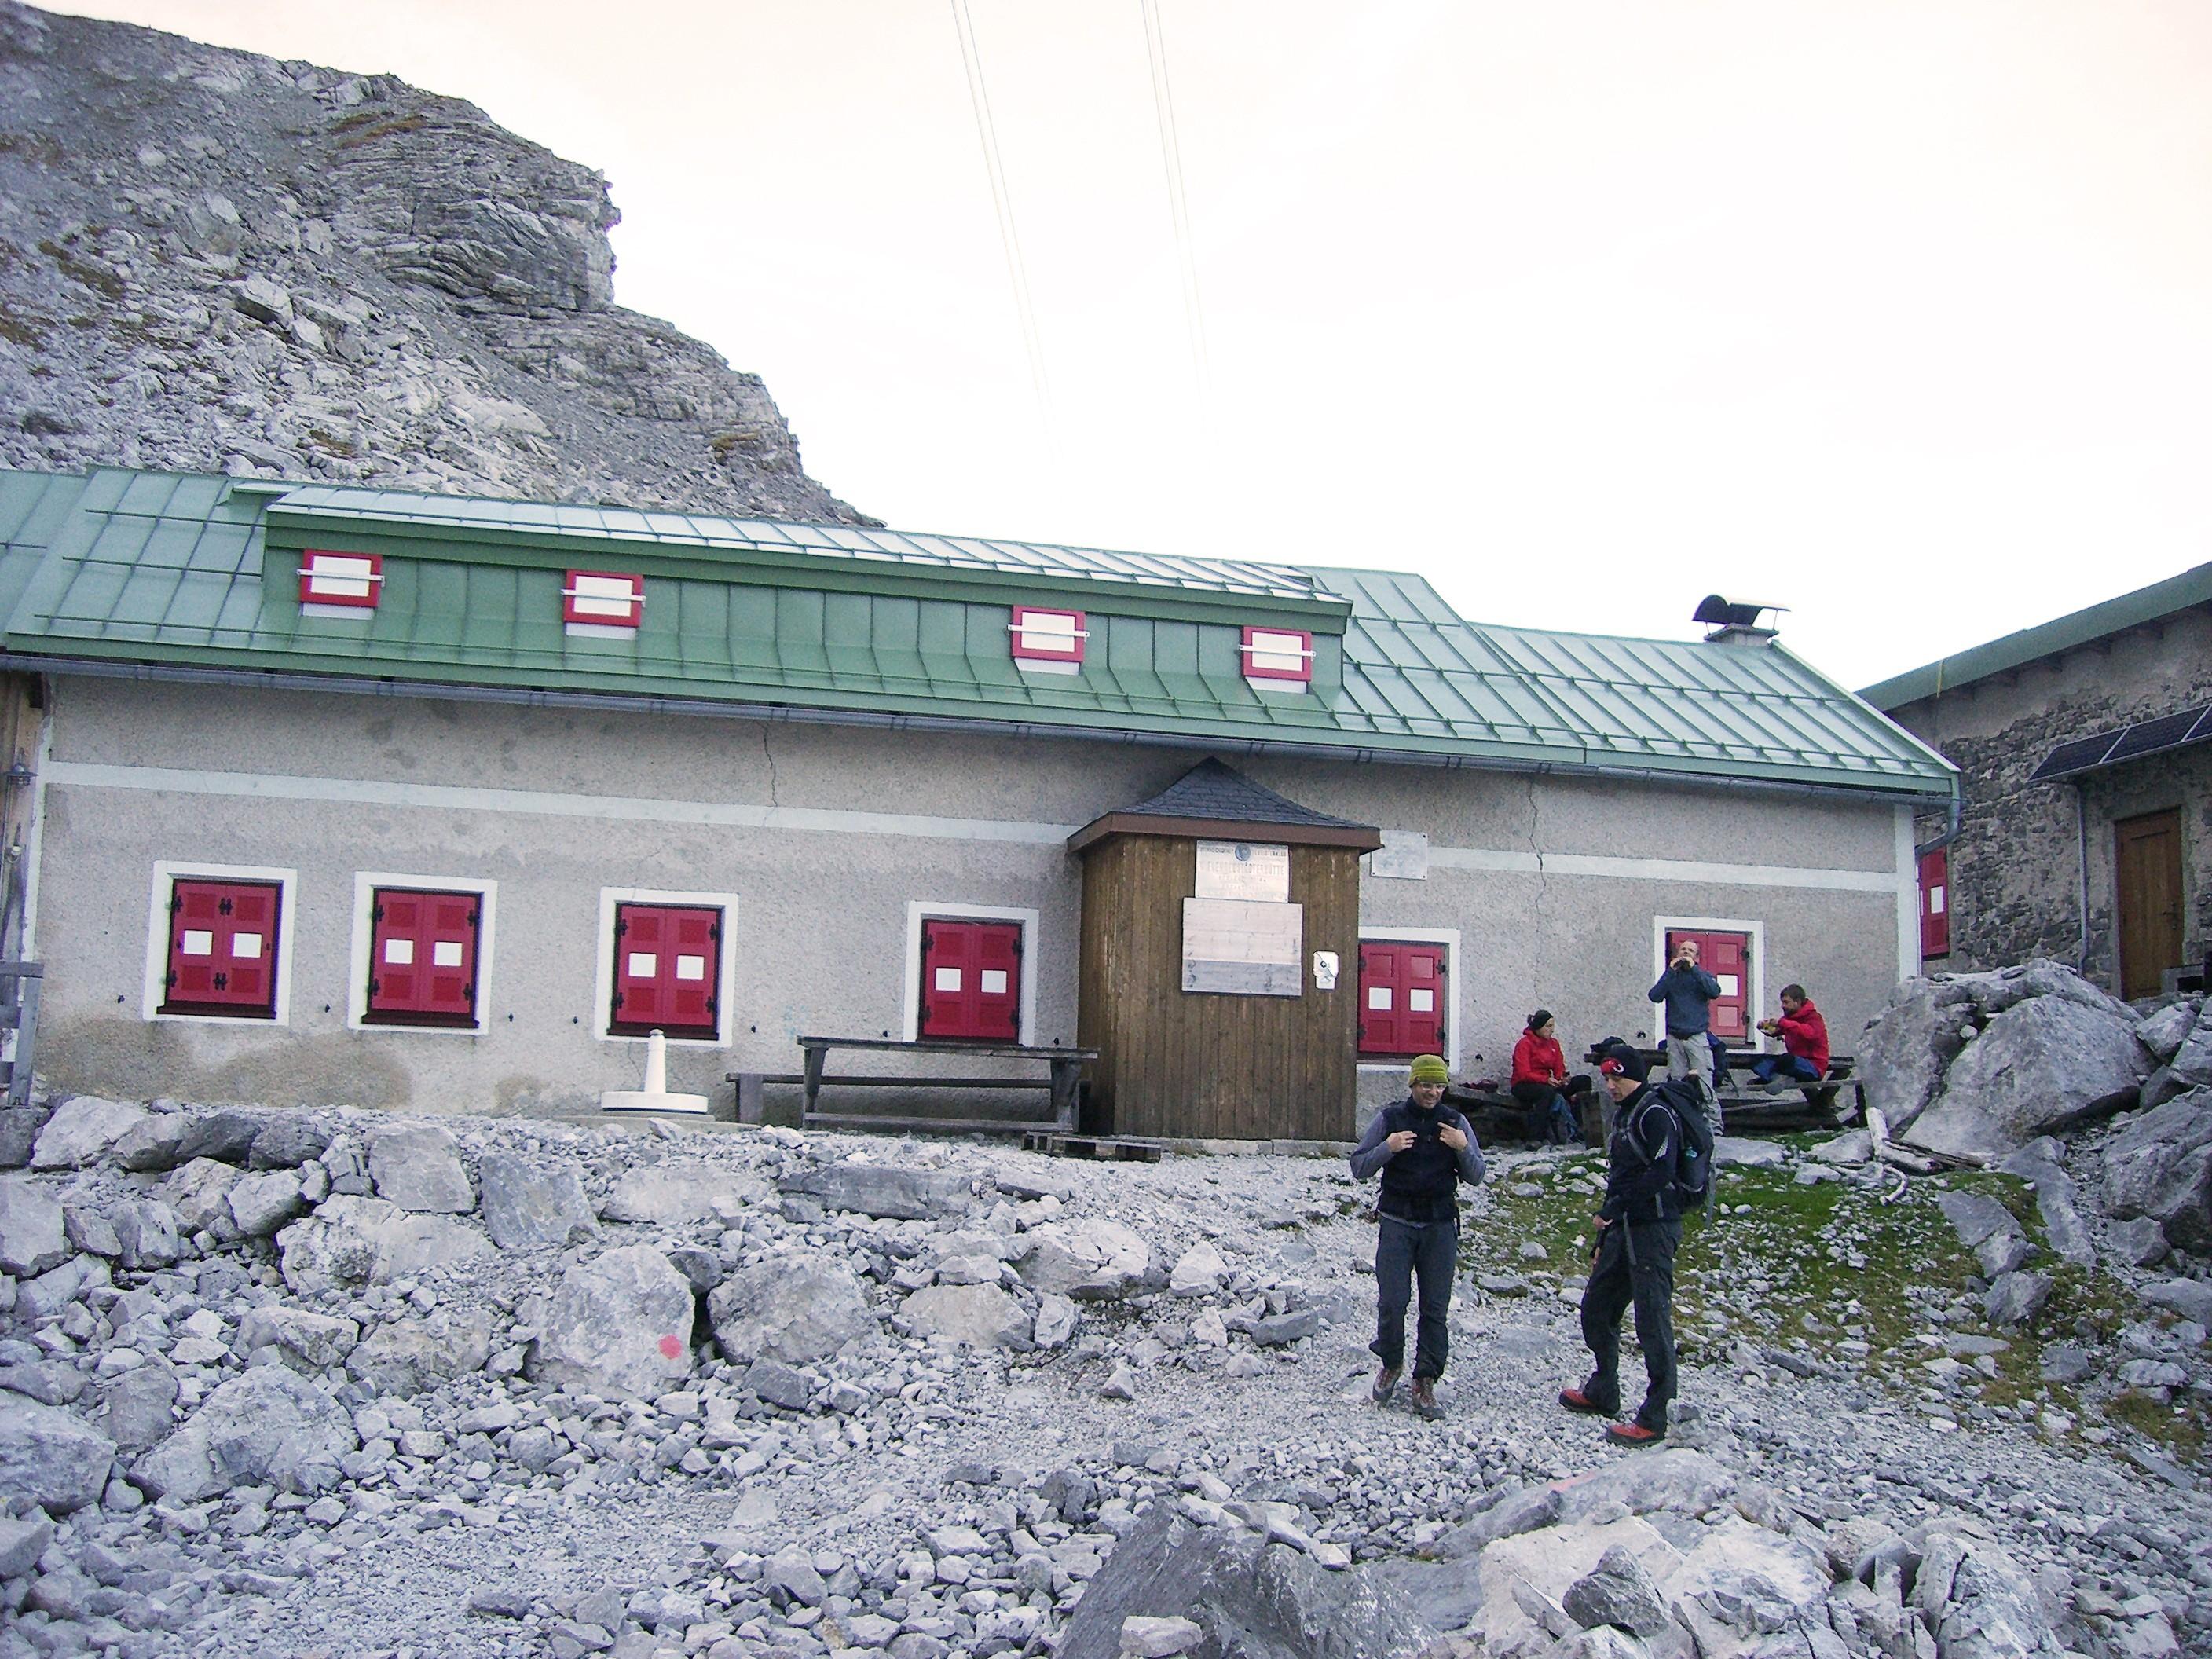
[(1063, 1073), (1756, 1108)]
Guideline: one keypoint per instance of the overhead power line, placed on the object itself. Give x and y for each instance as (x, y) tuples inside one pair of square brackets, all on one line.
[(1178, 207), (1016, 272)]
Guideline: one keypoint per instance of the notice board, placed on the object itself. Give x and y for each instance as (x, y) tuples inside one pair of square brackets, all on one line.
[(1243, 947)]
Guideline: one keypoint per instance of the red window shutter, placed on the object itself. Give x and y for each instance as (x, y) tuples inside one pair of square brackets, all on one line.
[(603, 599), (348, 581), (222, 948), (971, 980), (1727, 957), (1935, 902), (1401, 1000), (668, 969), (1040, 635), (1277, 654), (423, 956)]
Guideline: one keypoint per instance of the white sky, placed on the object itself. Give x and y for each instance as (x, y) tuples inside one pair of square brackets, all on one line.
[(1895, 312)]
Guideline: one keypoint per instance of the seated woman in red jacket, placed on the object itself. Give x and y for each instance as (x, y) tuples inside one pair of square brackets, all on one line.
[(1804, 1036), (1540, 1081)]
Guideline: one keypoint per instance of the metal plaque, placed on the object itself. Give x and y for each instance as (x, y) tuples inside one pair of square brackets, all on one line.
[(1403, 855), (1243, 870), (1242, 948)]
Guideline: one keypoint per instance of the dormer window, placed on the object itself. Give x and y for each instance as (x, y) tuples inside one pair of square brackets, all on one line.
[(339, 583), (601, 604), (1279, 659), (1048, 641)]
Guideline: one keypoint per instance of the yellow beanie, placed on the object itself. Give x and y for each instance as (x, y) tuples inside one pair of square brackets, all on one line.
[(1428, 1068)]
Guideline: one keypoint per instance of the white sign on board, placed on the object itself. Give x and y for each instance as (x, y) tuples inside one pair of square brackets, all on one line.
[(1243, 870), (1243, 947)]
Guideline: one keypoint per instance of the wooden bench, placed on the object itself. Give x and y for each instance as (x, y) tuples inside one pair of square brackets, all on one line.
[(1495, 1115), (1064, 1071)]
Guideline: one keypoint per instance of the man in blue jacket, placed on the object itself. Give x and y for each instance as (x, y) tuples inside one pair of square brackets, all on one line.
[(1639, 1229), (1687, 991), (1423, 1149)]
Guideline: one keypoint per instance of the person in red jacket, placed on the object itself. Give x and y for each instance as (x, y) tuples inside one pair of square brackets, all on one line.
[(1540, 1081), (1804, 1036)]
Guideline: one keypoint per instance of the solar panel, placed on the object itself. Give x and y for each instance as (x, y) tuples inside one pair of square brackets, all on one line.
[(2129, 743), (2078, 756), (2149, 737)]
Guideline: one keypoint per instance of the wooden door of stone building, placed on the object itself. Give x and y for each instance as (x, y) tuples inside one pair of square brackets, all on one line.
[(2147, 851)]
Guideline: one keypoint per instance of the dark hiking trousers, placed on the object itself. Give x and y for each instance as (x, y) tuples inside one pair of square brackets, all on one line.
[(1403, 1251), (1635, 1265)]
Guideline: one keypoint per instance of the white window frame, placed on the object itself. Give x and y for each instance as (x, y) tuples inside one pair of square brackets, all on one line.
[(365, 884), (1447, 937), (167, 872), (726, 989), (1755, 1004), (949, 910)]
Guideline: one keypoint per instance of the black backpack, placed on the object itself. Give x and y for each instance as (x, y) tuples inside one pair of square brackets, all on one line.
[(1693, 1141)]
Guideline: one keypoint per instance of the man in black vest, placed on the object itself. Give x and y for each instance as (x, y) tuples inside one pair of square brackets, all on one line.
[(1639, 1229), (1424, 1150)]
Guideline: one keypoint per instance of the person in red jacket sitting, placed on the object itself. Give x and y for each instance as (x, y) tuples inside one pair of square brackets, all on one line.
[(1804, 1036), (1540, 1081)]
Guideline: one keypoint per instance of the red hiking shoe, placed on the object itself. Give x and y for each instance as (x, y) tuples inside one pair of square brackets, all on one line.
[(1633, 1434), (1576, 1400)]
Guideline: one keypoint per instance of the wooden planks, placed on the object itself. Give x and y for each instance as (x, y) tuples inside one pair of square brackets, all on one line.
[(1210, 1066)]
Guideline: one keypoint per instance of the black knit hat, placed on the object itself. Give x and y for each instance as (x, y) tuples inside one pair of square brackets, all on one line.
[(1622, 1061), (1540, 1019)]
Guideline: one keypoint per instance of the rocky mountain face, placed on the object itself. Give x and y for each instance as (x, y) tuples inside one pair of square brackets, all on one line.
[(213, 261)]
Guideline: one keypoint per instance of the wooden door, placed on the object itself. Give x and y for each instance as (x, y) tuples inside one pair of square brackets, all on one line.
[(2147, 850), (1727, 957)]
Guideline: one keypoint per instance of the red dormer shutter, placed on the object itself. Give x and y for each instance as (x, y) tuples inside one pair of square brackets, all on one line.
[(1277, 654), (1401, 1000), (339, 583), (601, 601)]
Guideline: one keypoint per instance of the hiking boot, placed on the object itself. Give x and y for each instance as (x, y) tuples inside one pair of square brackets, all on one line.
[(1576, 1400), (1424, 1400), (1386, 1384), (1633, 1434)]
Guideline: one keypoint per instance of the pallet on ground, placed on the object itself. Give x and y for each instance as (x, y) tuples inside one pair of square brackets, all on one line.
[(1119, 1149)]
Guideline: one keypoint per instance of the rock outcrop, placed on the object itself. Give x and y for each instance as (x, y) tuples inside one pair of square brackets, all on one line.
[(211, 261), (1976, 1066)]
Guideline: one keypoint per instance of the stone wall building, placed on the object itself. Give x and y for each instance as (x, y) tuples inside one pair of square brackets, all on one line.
[(2084, 826), (395, 799)]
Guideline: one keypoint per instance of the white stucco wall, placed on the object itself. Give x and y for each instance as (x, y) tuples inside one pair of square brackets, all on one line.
[(825, 836)]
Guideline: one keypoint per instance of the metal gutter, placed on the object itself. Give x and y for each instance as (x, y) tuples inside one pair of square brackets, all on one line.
[(1358, 754)]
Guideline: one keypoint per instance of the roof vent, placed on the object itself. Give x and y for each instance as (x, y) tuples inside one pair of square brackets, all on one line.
[(1734, 621)]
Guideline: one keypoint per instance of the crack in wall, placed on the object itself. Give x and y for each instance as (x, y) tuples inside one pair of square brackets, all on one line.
[(1536, 967), (768, 754)]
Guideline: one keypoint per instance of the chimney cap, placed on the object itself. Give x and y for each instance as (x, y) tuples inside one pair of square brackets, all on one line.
[(1721, 612)]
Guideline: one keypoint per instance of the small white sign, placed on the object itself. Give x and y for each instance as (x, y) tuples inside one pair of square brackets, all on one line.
[(994, 981), (1243, 870), (643, 964), (691, 967), (948, 979), (1326, 969), (398, 952), (198, 942), (246, 947), (447, 953), (1403, 856)]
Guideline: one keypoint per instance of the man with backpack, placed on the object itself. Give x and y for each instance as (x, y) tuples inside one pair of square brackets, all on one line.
[(1661, 1165)]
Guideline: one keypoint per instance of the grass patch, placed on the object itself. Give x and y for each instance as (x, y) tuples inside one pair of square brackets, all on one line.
[(1825, 1276)]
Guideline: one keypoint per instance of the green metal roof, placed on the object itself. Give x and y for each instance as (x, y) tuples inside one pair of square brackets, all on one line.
[(2146, 605), (199, 574)]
